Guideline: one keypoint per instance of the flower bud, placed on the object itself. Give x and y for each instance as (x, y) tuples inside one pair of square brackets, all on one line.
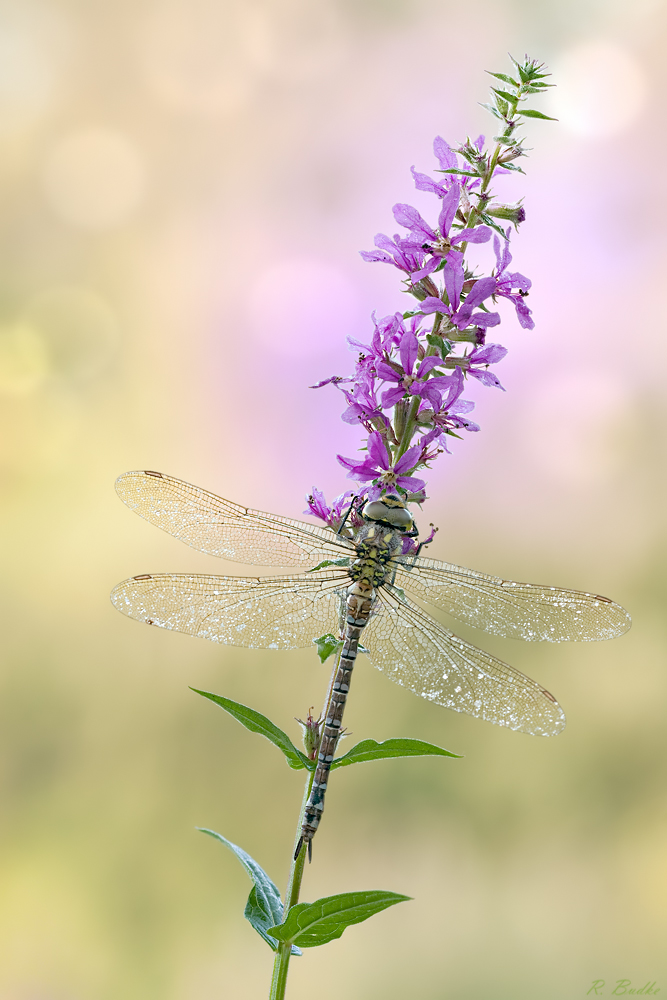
[(400, 417), (513, 213), (311, 734)]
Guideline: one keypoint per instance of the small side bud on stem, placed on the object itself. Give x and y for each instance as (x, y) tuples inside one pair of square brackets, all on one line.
[(312, 734)]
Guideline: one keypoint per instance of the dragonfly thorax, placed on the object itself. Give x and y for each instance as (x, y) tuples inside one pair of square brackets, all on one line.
[(376, 546)]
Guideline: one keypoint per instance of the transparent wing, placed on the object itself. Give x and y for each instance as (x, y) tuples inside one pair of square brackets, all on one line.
[(514, 610), (418, 653), (222, 528), (279, 612)]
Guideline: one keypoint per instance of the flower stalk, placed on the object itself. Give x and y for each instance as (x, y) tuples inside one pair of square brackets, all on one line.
[(284, 951)]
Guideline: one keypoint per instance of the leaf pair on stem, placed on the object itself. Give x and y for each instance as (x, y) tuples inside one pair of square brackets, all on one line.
[(308, 925)]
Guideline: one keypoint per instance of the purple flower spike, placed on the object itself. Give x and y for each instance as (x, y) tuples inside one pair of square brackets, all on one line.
[(398, 392)]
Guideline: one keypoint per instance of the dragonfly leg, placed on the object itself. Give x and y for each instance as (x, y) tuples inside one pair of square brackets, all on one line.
[(347, 514)]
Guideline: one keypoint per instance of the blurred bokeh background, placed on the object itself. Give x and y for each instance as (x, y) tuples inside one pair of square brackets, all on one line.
[(185, 185)]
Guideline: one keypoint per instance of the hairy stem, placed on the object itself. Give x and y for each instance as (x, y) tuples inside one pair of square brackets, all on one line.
[(284, 952)]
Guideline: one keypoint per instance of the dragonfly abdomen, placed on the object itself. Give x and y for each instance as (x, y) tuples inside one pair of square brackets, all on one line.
[(360, 596)]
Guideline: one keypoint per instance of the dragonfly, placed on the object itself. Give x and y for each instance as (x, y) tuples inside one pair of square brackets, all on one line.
[(357, 581)]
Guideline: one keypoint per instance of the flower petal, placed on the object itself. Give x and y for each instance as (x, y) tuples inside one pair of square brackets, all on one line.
[(409, 217), (391, 397), (408, 351), (454, 278), (490, 354), (410, 483), (425, 183), (428, 364), (449, 205), (444, 154), (378, 450), (480, 234), (485, 377), (408, 460), (430, 305)]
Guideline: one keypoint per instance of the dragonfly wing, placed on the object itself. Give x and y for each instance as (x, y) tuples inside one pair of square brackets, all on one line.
[(513, 610), (416, 652), (279, 612), (222, 528)]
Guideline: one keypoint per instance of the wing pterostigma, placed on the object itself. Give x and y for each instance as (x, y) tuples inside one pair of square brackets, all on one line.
[(528, 611)]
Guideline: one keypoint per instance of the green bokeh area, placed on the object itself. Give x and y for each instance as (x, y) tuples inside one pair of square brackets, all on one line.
[(184, 190)]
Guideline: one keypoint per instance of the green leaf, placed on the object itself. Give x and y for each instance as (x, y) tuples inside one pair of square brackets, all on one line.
[(371, 750), (455, 170), (258, 723), (530, 113), (510, 98), (442, 346), (494, 225), (490, 107), (344, 561), (327, 645), (311, 924), (523, 75), (503, 77), (511, 166), (264, 907)]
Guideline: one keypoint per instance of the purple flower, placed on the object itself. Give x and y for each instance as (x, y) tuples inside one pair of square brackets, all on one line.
[(449, 416), (411, 381), (482, 357), (438, 243), (334, 514), (403, 254), (387, 335), (447, 159), (317, 505), (463, 316), (378, 466), (455, 412), (363, 405), (409, 254), (510, 280), (409, 546), (332, 380)]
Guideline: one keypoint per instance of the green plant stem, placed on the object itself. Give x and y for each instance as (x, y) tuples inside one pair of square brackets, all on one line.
[(284, 952)]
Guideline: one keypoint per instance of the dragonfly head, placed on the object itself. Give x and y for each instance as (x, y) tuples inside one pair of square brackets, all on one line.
[(389, 510)]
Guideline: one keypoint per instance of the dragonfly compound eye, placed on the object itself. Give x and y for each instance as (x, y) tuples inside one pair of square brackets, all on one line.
[(390, 511)]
